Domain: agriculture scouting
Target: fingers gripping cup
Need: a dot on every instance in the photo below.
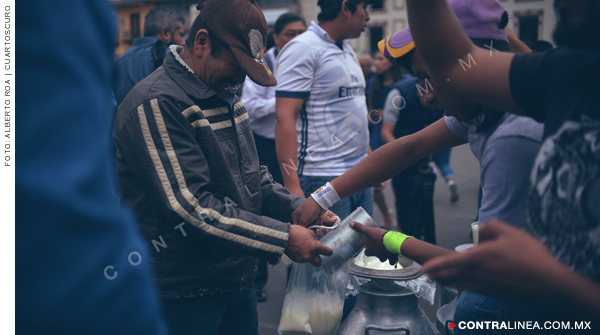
(345, 241)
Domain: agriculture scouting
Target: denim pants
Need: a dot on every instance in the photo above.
(345, 206)
(414, 189)
(262, 275)
(232, 313)
(442, 160)
(473, 306)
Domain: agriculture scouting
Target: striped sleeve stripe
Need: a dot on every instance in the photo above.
(164, 179)
(207, 112)
(288, 94)
(215, 111)
(191, 110)
(238, 105)
(200, 123)
(222, 124)
(242, 118)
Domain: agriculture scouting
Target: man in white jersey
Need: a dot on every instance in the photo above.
(321, 126)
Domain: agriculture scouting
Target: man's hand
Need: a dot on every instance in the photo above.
(375, 245)
(304, 247)
(327, 219)
(507, 262)
(307, 213)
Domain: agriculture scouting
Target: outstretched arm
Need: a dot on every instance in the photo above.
(383, 164)
(417, 250)
(392, 158)
(286, 141)
(454, 62)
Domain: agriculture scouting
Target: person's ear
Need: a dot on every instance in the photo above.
(201, 43)
(345, 11)
(165, 35)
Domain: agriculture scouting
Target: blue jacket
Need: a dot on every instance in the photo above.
(77, 253)
(134, 65)
(413, 117)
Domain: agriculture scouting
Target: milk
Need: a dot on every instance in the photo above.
(372, 262)
(312, 313)
(324, 322)
(294, 320)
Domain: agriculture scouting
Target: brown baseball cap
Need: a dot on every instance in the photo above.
(242, 25)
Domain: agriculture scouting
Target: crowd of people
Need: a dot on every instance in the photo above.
(223, 180)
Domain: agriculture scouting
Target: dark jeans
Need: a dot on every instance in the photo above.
(268, 156)
(473, 306)
(442, 160)
(262, 274)
(232, 313)
(414, 188)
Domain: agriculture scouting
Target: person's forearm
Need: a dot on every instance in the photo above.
(392, 158)
(287, 152)
(421, 251)
(435, 27)
(381, 165)
(387, 137)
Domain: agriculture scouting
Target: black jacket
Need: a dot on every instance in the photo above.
(187, 163)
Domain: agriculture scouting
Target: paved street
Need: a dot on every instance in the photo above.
(452, 228)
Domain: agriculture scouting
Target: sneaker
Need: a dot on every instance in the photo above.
(453, 191)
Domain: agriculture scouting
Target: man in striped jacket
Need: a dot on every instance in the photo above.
(187, 163)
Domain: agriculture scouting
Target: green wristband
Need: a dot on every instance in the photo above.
(392, 241)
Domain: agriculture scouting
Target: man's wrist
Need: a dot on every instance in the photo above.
(393, 240)
(326, 196)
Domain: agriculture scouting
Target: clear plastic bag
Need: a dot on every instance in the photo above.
(423, 287)
(314, 301)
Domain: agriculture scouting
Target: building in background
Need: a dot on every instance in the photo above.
(531, 20)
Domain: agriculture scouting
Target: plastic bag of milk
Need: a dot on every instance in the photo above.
(314, 301)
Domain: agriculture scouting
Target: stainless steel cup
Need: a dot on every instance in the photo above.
(345, 241)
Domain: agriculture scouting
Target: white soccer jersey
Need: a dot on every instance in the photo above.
(332, 126)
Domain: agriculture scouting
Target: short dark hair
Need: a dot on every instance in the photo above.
(217, 45)
(286, 19)
(500, 45)
(159, 18)
(331, 8)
